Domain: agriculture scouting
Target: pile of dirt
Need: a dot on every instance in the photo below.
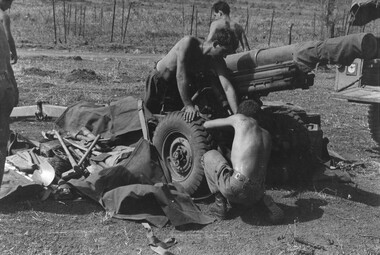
(37, 71)
(82, 75)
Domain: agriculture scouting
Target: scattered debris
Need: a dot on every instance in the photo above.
(77, 58)
(80, 75)
(158, 246)
(304, 241)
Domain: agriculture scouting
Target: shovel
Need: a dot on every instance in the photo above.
(45, 173)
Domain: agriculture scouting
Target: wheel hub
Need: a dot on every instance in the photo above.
(180, 156)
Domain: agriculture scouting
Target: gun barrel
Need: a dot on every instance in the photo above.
(261, 57)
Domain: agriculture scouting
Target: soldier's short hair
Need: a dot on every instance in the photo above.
(221, 6)
(250, 108)
(225, 37)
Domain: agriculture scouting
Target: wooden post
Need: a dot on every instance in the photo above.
(75, 20)
(271, 27)
(314, 24)
(247, 21)
(69, 20)
(211, 12)
(80, 21)
(101, 18)
(348, 24)
(126, 21)
(192, 20)
(64, 20)
(122, 20)
(113, 19)
(55, 24)
(84, 21)
(290, 33)
(183, 19)
(330, 18)
(196, 22)
(343, 20)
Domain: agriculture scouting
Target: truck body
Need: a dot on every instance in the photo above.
(359, 82)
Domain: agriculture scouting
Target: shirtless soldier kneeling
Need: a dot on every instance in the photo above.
(243, 182)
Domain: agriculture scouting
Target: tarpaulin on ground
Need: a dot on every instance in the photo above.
(15, 187)
(340, 50)
(364, 11)
(138, 189)
(110, 121)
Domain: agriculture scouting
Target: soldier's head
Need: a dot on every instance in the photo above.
(224, 42)
(5, 4)
(220, 8)
(250, 108)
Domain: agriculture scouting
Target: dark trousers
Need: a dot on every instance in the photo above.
(7, 101)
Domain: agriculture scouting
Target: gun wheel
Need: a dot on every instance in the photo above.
(181, 146)
(374, 122)
(291, 147)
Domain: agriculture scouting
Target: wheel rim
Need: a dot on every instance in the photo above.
(177, 156)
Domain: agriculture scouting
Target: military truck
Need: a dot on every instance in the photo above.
(297, 136)
(360, 81)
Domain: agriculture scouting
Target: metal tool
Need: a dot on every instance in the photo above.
(78, 169)
(45, 173)
(68, 154)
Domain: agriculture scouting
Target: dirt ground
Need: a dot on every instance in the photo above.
(330, 217)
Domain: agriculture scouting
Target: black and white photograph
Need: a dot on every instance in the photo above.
(189, 127)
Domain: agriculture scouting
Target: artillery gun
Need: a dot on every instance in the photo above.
(297, 136)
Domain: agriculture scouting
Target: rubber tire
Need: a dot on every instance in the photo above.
(374, 122)
(285, 121)
(286, 125)
(173, 128)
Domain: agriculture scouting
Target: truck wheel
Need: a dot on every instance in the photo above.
(374, 122)
(181, 146)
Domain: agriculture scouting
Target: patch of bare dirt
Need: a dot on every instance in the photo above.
(83, 75)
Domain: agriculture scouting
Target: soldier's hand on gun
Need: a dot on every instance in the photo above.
(190, 112)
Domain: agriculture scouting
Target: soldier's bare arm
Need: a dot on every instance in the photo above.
(7, 27)
(183, 52)
(220, 123)
(242, 37)
(221, 70)
(213, 28)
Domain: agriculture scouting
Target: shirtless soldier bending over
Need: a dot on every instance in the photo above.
(243, 181)
(174, 76)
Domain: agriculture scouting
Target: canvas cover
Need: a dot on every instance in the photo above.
(110, 121)
(306, 55)
(340, 50)
(364, 11)
(139, 189)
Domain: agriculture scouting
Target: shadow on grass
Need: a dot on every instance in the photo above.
(304, 211)
(349, 191)
(74, 207)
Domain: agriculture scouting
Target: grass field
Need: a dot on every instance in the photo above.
(154, 26)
